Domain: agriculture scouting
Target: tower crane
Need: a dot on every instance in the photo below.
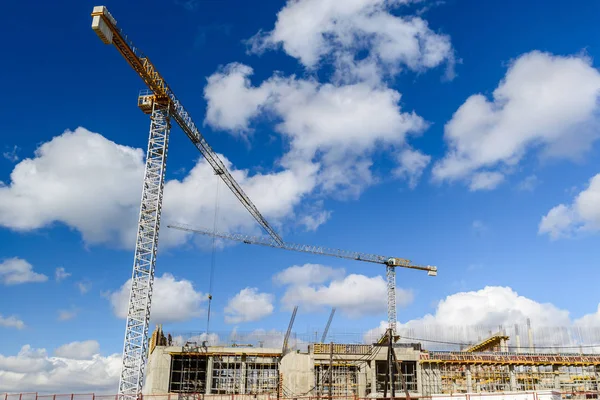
(390, 262)
(160, 102)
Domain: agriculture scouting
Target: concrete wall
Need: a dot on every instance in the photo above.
(158, 372)
(298, 372)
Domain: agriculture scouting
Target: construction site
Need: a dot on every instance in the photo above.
(381, 369)
(517, 362)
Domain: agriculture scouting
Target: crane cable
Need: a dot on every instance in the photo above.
(214, 255)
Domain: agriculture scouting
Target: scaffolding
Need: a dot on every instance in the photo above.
(407, 374)
(450, 378)
(262, 375)
(343, 383)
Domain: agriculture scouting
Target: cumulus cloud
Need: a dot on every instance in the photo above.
(83, 286)
(98, 195)
(32, 370)
(248, 305)
(315, 31)
(582, 215)
(66, 315)
(11, 322)
(78, 350)
(354, 295)
(466, 317)
(332, 128)
(172, 300)
(411, 164)
(15, 271)
(80, 179)
(308, 274)
(544, 102)
(61, 274)
(529, 183)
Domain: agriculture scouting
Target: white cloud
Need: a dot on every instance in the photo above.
(78, 350)
(334, 128)
(312, 221)
(308, 274)
(592, 319)
(32, 370)
(544, 102)
(80, 179)
(212, 339)
(485, 181)
(98, 195)
(83, 287)
(193, 198)
(61, 274)
(318, 30)
(11, 322)
(248, 305)
(12, 155)
(411, 166)
(583, 215)
(65, 315)
(470, 316)
(14, 271)
(529, 183)
(172, 300)
(354, 295)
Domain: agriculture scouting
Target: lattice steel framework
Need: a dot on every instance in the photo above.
(390, 273)
(138, 315)
(390, 262)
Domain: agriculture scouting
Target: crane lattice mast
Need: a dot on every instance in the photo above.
(390, 262)
(162, 105)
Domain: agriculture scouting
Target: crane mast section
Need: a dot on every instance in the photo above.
(391, 262)
(106, 28)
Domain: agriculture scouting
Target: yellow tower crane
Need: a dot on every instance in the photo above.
(162, 105)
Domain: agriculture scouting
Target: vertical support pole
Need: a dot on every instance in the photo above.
(390, 272)
(391, 363)
(330, 371)
(146, 246)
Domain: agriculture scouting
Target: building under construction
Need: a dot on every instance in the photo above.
(364, 370)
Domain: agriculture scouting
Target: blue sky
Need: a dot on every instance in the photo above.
(349, 124)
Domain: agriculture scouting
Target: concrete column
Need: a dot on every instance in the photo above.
(243, 376)
(437, 380)
(362, 382)
(373, 377)
(555, 370)
(209, 374)
(469, 379)
(419, 368)
(513, 378)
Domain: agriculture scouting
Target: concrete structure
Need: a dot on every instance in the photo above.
(354, 370)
